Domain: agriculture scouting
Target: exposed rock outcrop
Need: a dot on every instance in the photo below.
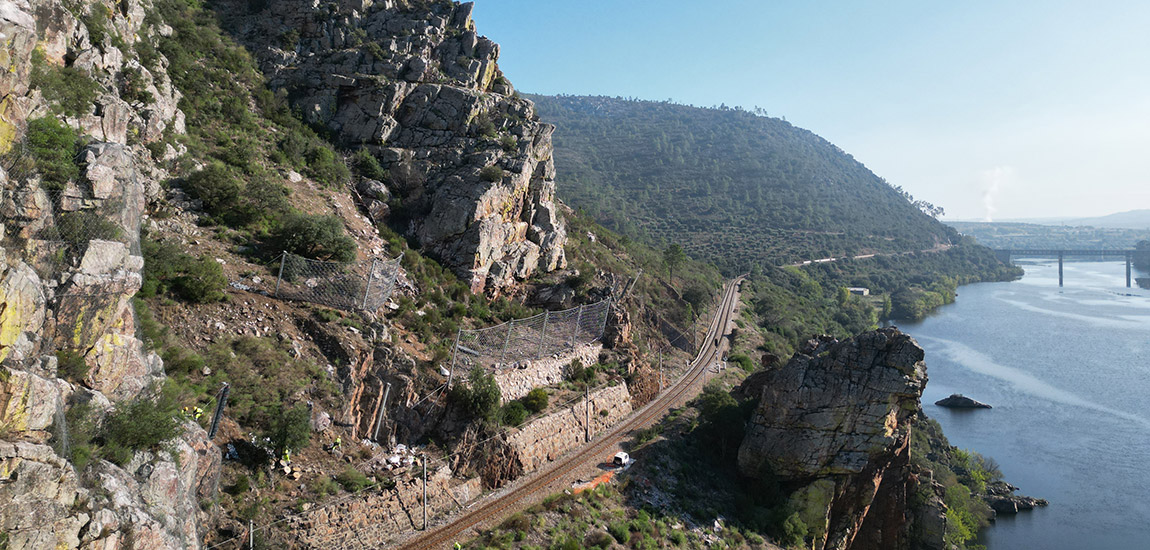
(469, 160)
(1001, 498)
(68, 287)
(959, 401)
(833, 426)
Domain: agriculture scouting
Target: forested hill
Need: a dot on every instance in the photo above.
(728, 185)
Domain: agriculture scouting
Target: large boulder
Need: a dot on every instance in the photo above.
(834, 426)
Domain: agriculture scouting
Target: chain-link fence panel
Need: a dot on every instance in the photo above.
(531, 338)
(365, 285)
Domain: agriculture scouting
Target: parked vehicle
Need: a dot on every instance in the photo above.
(622, 459)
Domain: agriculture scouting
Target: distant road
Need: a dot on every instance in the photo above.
(936, 248)
(558, 475)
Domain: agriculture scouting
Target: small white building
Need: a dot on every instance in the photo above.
(858, 290)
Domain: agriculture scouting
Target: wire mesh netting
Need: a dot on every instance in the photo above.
(365, 285)
(56, 229)
(542, 335)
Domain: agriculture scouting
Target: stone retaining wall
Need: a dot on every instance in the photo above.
(549, 437)
(515, 382)
(379, 518)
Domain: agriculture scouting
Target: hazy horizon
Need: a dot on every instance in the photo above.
(1021, 110)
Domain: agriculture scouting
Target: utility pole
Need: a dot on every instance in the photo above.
(660, 372)
(251, 535)
(587, 414)
(424, 457)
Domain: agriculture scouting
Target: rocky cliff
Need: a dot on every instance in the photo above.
(70, 265)
(470, 170)
(833, 427)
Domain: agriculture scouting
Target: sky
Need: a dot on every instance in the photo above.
(992, 110)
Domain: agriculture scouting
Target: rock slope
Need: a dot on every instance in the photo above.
(470, 164)
(73, 293)
(833, 426)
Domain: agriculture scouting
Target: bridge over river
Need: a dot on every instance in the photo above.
(1007, 253)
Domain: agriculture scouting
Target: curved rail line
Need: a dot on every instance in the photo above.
(443, 536)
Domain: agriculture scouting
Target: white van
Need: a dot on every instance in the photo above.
(621, 459)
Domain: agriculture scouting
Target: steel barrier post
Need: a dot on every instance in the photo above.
(575, 331)
(543, 333)
(280, 277)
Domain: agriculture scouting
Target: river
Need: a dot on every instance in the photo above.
(1068, 373)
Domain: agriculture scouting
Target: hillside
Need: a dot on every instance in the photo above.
(730, 186)
(173, 226)
(292, 213)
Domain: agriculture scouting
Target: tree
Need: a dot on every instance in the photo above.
(289, 430)
(317, 237)
(481, 397)
(673, 256)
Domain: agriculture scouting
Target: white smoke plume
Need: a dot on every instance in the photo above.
(992, 182)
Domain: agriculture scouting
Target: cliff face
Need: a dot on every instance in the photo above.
(69, 267)
(833, 426)
(470, 165)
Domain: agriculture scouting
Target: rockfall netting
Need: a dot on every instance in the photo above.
(543, 335)
(364, 285)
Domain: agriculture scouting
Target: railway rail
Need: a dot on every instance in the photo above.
(500, 505)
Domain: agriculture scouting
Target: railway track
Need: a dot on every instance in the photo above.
(502, 505)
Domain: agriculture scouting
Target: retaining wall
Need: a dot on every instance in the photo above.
(514, 382)
(549, 437)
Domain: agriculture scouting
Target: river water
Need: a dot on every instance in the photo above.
(1068, 373)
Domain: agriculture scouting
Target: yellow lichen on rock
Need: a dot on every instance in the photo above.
(14, 393)
(7, 129)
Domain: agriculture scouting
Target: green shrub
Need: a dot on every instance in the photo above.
(201, 282)
(317, 237)
(139, 425)
(290, 430)
(480, 396)
(352, 480)
(648, 433)
(484, 127)
(216, 186)
(325, 166)
(133, 86)
(70, 90)
(242, 485)
(77, 228)
(536, 400)
(168, 269)
(513, 414)
(509, 143)
(324, 486)
(71, 365)
(599, 539)
(97, 23)
(54, 147)
(743, 361)
(368, 166)
(181, 360)
(620, 531)
(491, 173)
